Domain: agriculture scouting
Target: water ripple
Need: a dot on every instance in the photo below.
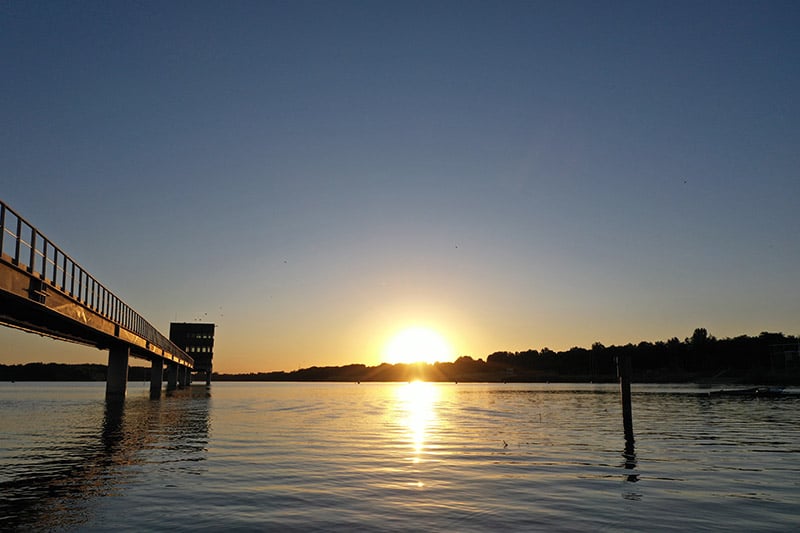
(392, 457)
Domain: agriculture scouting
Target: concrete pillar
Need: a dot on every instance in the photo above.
(208, 378)
(156, 376)
(172, 376)
(187, 376)
(117, 379)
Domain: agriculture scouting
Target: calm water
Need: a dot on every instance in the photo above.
(446, 457)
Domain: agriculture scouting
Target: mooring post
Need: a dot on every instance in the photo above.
(156, 377)
(624, 371)
(117, 377)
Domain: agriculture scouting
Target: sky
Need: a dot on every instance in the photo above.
(314, 177)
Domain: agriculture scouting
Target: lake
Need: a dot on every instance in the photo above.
(395, 457)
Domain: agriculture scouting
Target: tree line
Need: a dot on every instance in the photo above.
(701, 356)
(766, 358)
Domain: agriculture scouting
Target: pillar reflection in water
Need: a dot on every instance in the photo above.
(631, 477)
(55, 489)
(630, 461)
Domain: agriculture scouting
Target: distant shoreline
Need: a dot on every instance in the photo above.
(768, 359)
(400, 373)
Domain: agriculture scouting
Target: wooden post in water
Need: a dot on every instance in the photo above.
(624, 372)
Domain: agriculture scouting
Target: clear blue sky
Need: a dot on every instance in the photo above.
(314, 176)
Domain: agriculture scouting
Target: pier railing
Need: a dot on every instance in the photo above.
(25, 247)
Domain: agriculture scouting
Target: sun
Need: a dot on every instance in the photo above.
(417, 345)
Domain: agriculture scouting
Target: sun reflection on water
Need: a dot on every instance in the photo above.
(417, 401)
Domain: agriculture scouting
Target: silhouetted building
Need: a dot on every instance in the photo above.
(197, 340)
(784, 357)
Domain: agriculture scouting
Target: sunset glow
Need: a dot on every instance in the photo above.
(315, 187)
(417, 345)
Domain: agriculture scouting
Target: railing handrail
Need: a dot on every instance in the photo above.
(75, 281)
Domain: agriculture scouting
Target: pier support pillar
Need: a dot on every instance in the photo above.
(156, 377)
(172, 376)
(117, 378)
(181, 370)
(208, 378)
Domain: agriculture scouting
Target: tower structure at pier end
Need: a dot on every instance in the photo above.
(197, 340)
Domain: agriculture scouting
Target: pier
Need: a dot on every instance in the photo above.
(43, 290)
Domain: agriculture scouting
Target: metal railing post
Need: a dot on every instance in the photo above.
(72, 281)
(64, 273)
(2, 226)
(43, 274)
(19, 238)
(32, 257)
